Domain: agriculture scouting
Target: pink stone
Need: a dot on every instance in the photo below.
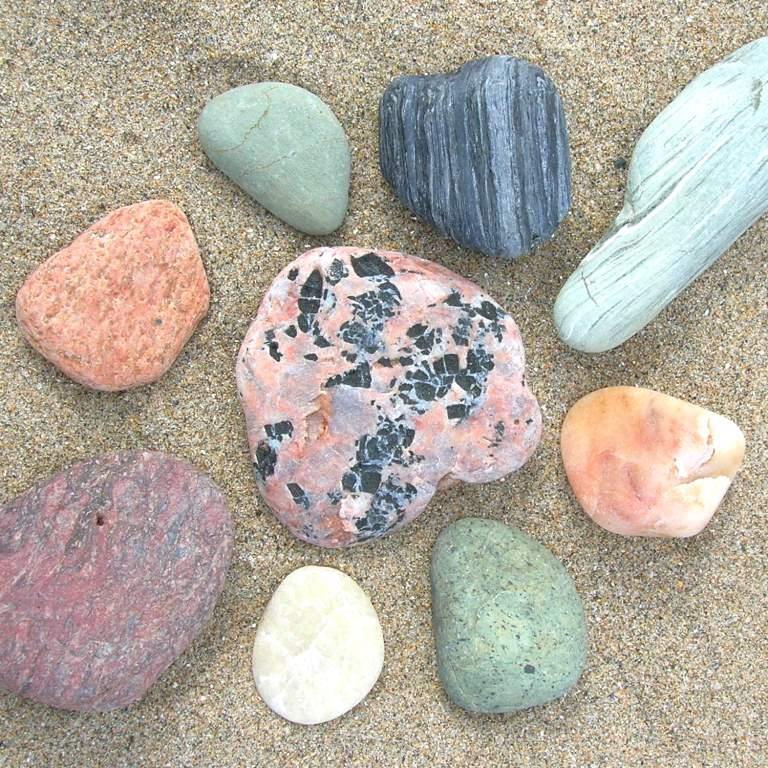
(114, 309)
(108, 571)
(371, 378)
(646, 464)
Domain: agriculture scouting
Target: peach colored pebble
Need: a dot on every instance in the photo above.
(642, 463)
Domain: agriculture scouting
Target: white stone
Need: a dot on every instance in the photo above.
(319, 648)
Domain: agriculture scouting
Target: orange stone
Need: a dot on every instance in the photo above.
(642, 463)
(114, 309)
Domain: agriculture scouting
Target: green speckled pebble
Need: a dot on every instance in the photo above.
(285, 148)
(509, 625)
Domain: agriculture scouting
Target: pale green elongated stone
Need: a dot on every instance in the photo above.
(697, 180)
(509, 626)
(283, 146)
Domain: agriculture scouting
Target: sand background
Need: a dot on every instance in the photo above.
(98, 103)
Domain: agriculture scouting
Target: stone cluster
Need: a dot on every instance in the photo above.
(371, 379)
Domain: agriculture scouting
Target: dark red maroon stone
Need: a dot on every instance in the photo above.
(108, 570)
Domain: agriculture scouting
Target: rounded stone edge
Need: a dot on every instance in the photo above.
(381, 644)
(453, 692)
(568, 310)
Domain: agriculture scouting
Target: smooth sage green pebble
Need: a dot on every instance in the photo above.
(509, 625)
(283, 146)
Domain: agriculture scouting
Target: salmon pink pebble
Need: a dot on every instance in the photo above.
(371, 378)
(114, 308)
(108, 571)
(646, 464)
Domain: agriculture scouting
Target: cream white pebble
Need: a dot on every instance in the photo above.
(319, 648)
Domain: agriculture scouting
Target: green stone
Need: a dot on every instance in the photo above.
(698, 179)
(509, 625)
(285, 148)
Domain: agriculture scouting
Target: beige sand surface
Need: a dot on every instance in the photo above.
(98, 102)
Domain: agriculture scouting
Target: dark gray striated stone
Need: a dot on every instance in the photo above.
(481, 154)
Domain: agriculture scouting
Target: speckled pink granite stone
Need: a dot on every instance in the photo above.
(108, 570)
(369, 379)
(114, 308)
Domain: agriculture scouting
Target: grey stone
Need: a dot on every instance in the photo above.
(481, 154)
(697, 180)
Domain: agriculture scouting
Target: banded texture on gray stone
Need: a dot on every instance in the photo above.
(481, 154)
(698, 179)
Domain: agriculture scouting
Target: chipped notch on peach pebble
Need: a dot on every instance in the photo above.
(642, 463)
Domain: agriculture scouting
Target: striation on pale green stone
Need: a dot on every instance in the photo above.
(283, 146)
(509, 625)
(697, 180)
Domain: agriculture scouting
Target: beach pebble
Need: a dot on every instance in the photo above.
(319, 648)
(509, 626)
(371, 378)
(108, 571)
(646, 464)
(697, 180)
(285, 148)
(481, 154)
(114, 308)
